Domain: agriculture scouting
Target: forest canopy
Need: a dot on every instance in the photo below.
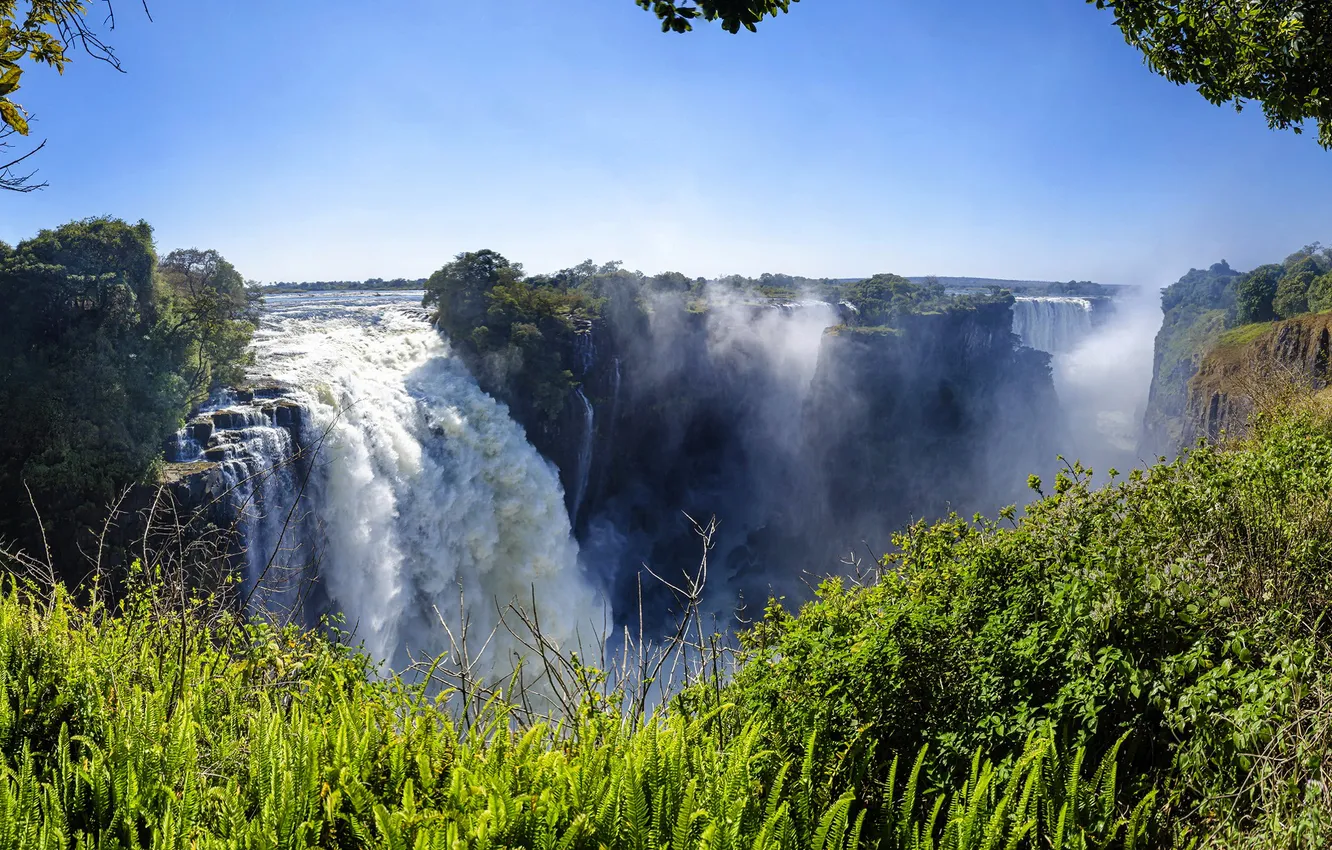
(105, 351)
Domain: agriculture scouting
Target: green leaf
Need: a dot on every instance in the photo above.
(9, 81)
(13, 117)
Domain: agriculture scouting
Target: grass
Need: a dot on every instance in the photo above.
(1243, 334)
(145, 728)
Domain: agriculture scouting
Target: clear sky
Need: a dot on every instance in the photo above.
(312, 141)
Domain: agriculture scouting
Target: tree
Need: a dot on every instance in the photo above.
(884, 298)
(459, 290)
(1275, 52)
(516, 334)
(733, 14)
(213, 315)
(41, 33)
(1292, 294)
(99, 363)
(80, 360)
(1254, 294)
(1320, 293)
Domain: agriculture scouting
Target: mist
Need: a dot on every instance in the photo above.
(810, 444)
(1103, 385)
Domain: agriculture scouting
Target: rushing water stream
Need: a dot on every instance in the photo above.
(1052, 323)
(422, 489)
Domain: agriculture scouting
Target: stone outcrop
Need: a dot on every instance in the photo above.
(1249, 362)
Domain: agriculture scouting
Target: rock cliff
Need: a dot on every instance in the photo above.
(1249, 362)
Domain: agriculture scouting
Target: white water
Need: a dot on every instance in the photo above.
(1052, 323)
(263, 485)
(424, 488)
(584, 456)
(1104, 380)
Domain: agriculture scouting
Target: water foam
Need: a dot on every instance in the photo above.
(424, 489)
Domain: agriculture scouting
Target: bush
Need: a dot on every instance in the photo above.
(1180, 607)
(156, 727)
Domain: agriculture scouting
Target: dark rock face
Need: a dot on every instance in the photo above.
(696, 417)
(201, 429)
(947, 415)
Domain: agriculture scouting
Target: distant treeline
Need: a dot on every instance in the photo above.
(375, 283)
(1077, 288)
(772, 285)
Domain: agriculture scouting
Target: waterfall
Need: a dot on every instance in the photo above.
(262, 484)
(424, 496)
(256, 459)
(615, 395)
(584, 457)
(1052, 323)
(585, 351)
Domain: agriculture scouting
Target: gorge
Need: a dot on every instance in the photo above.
(372, 476)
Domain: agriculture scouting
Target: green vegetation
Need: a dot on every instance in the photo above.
(884, 300)
(1139, 665)
(1180, 609)
(1079, 288)
(733, 14)
(1241, 336)
(516, 333)
(1275, 52)
(1296, 286)
(1201, 305)
(104, 353)
(373, 284)
(521, 334)
(144, 727)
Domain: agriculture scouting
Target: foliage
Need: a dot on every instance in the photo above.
(1181, 607)
(885, 300)
(103, 355)
(1255, 294)
(1125, 667)
(33, 35)
(733, 14)
(1320, 293)
(517, 333)
(1276, 52)
(212, 313)
(154, 726)
(1200, 305)
(37, 32)
(1082, 288)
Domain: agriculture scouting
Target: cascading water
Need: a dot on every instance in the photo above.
(262, 482)
(426, 499)
(256, 458)
(584, 457)
(1052, 323)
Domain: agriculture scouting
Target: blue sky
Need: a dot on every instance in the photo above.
(323, 141)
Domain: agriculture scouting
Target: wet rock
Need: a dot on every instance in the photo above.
(268, 389)
(217, 453)
(201, 429)
(288, 414)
